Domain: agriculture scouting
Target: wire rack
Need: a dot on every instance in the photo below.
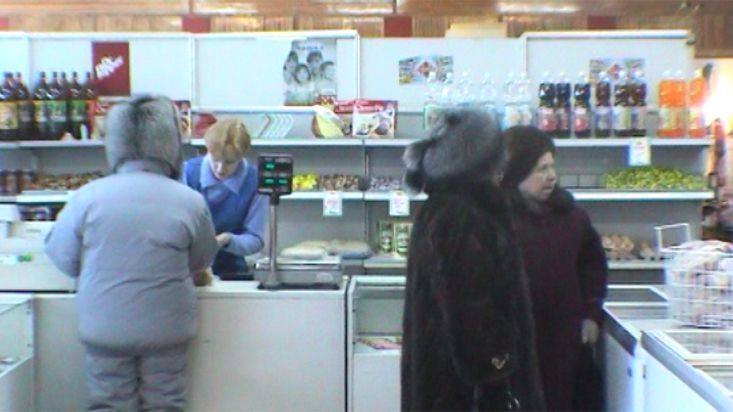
(699, 278)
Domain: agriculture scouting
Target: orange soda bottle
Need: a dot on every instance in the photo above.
(666, 106)
(697, 97)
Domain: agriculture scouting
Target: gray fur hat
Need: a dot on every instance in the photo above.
(144, 128)
(465, 145)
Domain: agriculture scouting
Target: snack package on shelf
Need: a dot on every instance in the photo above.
(327, 124)
(333, 120)
(184, 116)
(61, 182)
(385, 184)
(346, 183)
(618, 247)
(382, 342)
(99, 117)
(700, 283)
(305, 182)
(375, 118)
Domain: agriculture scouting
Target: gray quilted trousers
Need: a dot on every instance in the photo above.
(154, 381)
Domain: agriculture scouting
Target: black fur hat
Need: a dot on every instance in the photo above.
(464, 146)
(525, 145)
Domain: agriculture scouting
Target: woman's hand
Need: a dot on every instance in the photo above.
(589, 332)
(223, 239)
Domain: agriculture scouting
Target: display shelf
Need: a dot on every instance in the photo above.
(313, 142)
(255, 109)
(8, 199)
(384, 197)
(361, 349)
(388, 142)
(389, 262)
(321, 195)
(635, 265)
(354, 142)
(42, 144)
(597, 195)
(385, 262)
(43, 197)
(625, 142)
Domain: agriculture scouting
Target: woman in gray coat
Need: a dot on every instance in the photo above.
(133, 240)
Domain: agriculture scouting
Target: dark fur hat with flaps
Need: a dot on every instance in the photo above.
(525, 146)
(464, 146)
(144, 128)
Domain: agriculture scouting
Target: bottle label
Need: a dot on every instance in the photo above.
(621, 118)
(581, 122)
(697, 118)
(78, 110)
(603, 118)
(666, 118)
(58, 111)
(638, 118)
(563, 118)
(512, 116)
(41, 111)
(526, 117)
(8, 116)
(546, 120)
(25, 112)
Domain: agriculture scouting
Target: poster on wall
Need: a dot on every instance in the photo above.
(309, 73)
(612, 67)
(111, 63)
(416, 70)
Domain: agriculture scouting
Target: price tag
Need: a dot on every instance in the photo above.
(399, 203)
(333, 204)
(640, 153)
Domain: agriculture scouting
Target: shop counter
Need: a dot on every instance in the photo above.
(16, 353)
(255, 350)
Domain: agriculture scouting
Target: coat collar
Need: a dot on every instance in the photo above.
(233, 182)
(560, 201)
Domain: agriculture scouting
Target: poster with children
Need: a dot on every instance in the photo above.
(309, 73)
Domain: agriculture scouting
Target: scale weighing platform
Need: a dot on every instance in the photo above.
(275, 179)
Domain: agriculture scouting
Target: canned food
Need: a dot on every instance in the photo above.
(385, 231)
(402, 232)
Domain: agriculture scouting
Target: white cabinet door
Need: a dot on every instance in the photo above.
(620, 375)
(665, 392)
(377, 382)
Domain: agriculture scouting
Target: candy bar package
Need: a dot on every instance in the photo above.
(374, 118)
(184, 113)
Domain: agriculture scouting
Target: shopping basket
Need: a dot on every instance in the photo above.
(699, 278)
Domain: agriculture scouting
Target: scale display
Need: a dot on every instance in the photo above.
(275, 174)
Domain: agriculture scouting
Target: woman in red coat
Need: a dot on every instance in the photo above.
(564, 260)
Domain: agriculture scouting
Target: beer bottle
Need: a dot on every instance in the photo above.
(8, 110)
(42, 109)
(25, 109)
(59, 112)
(77, 106)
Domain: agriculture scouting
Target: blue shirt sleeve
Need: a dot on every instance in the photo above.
(253, 238)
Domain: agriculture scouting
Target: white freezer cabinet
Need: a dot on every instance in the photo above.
(16, 353)
(375, 305)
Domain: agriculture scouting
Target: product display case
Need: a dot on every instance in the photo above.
(374, 336)
(16, 353)
(688, 369)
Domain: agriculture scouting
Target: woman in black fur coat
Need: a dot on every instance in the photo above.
(468, 342)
